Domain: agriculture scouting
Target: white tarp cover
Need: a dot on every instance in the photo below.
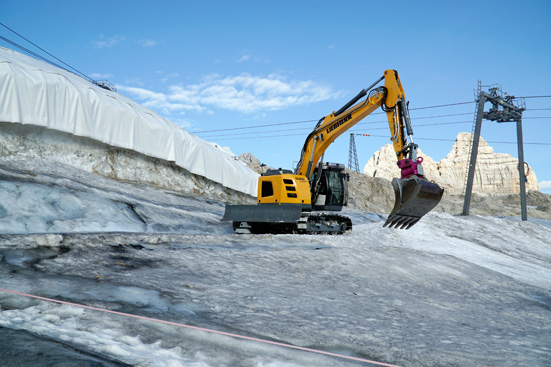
(36, 93)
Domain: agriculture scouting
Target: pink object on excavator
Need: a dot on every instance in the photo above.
(409, 167)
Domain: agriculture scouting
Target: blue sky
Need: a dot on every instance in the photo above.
(213, 65)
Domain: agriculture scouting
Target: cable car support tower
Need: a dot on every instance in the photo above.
(505, 108)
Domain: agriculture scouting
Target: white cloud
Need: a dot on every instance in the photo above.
(545, 186)
(244, 58)
(159, 101)
(108, 42)
(99, 76)
(243, 93)
(135, 81)
(148, 42)
(183, 123)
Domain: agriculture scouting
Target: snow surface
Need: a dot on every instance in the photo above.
(451, 291)
(36, 93)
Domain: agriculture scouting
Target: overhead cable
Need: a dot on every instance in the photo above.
(378, 136)
(376, 113)
(40, 57)
(359, 123)
(305, 121)
(252, 127)
(308, 129)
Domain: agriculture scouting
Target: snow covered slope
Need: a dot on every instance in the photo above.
(36, 93)
(452, 291)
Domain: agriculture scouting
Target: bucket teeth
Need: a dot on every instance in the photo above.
(412, 222)
(396, 221)
(401, 221)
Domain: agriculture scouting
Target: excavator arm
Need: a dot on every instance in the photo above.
(415, 195)
(390, 97)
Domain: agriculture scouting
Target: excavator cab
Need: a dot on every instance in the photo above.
(329, 187)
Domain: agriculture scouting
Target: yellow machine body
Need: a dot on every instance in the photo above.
(284, 189)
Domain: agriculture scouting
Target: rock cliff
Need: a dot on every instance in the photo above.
(495, 174)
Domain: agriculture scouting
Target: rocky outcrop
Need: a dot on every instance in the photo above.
(495, 174)
(253, 163)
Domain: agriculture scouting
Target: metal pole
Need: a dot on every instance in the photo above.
(522, 178)
(474, 153)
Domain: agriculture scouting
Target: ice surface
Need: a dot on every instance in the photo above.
(468, 291)
(451, 291)
(58, 199)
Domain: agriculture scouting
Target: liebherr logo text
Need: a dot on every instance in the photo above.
(339, 123)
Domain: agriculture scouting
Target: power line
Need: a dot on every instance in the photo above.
(307, 129)
(259, 132)
(383, 136)
(433, 117)
(104, 84)
(306, 121)
(261, 137)
(439, 116)
(31, 52)
(416, 118)
(386, 136)
(376, 113)
(435, 124)
(360, 123)
(253, 127)
(437, 139)
(442, 105)
(40, 48)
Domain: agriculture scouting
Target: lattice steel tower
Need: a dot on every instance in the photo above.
(353, 155)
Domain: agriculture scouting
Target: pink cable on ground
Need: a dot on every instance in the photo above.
(203, 329)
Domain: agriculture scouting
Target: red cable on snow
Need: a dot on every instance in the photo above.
(203, 329)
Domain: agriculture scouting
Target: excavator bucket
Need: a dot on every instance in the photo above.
(415, 197)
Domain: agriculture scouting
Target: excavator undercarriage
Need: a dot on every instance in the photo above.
(306, 223)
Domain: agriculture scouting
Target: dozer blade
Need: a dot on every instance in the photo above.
(415, 197)
(265, 213)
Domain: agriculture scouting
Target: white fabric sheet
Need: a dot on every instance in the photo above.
(36, 93)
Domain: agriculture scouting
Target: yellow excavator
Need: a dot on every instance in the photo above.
(303, 201)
